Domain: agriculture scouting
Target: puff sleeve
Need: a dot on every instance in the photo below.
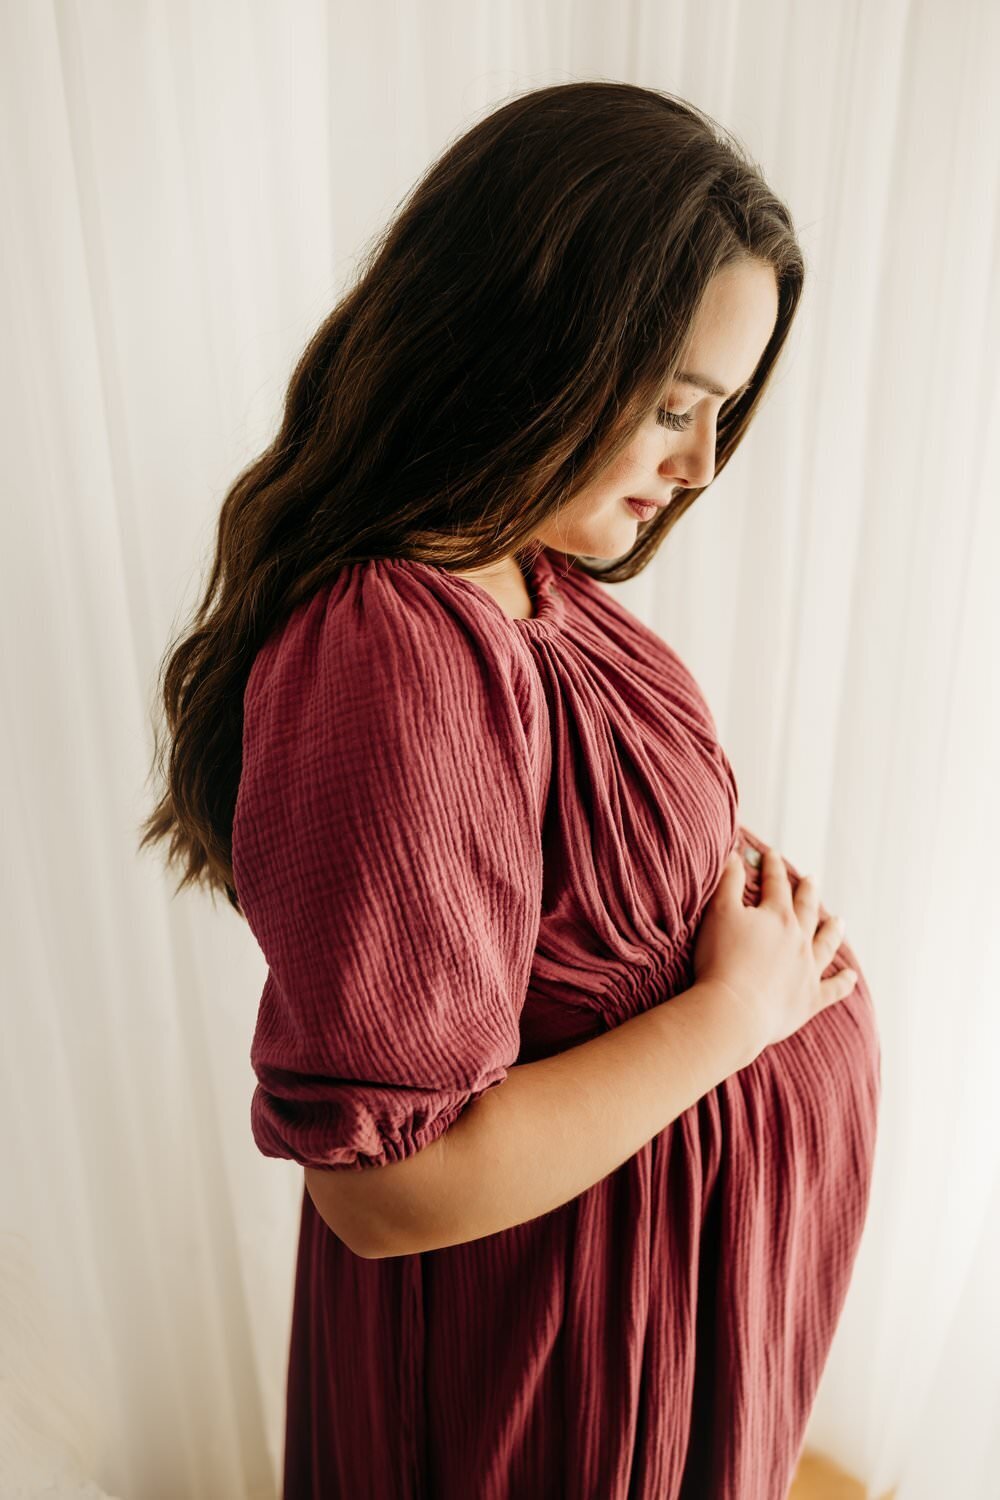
(387, 858)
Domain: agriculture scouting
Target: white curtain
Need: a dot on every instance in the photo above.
(185, 191)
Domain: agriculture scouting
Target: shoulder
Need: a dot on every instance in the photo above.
(377, 705)
(391, 643)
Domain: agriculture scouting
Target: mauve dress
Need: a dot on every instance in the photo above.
(462, 842)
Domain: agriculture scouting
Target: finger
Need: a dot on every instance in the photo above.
(774, 878)
(806, 897)
(829, 936)
(733, 872)
(838, 986)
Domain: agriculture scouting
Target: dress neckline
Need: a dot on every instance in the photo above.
(547, 599)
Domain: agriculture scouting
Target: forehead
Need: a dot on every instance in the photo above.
(731, 330)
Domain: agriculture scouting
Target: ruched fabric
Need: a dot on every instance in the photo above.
(465, 842)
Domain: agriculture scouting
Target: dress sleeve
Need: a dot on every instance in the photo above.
(387, 858)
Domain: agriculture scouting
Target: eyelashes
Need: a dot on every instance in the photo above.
(676, 421)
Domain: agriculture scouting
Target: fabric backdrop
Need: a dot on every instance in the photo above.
(185, 192)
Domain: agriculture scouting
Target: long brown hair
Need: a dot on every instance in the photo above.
(504, 339)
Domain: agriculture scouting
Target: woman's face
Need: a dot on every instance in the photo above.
(675, 447)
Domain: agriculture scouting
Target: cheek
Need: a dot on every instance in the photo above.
(638, 458)
(630, 473)
(643, 457)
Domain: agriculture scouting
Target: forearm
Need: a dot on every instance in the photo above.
(556, 1127)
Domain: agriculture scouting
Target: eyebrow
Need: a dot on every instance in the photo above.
(705, 383)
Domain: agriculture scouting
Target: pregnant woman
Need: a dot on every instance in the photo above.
(582, 1076)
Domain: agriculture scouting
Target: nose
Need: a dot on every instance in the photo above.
(694, 468)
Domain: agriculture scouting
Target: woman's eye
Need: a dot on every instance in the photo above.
(675, 420)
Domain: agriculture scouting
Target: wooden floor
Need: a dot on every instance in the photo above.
(816, 1478)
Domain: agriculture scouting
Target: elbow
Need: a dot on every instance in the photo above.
(331, 1196)
(384, 1211)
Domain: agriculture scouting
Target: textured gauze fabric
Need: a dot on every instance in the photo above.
(464, 842)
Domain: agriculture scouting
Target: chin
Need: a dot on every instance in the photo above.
(603, 538)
